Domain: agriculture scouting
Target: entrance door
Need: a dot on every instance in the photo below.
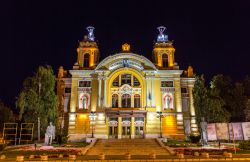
(139, 132)
(126, 132)
(113, 131)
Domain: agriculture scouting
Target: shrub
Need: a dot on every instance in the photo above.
(245, 145)
(194, 138)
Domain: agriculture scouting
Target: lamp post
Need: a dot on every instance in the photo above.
(160, 116)
(92, 117)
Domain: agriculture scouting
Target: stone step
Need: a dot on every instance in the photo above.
(122, 146)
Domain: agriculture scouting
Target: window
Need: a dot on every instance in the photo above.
(84, 83)
(167, 84)
(164, 60)
(126, 79)
(86, 60)
(114, 101)
(184, 90)
(137, 101)
(126, 101)
(116, 82)
(67, 90)
(136, 82)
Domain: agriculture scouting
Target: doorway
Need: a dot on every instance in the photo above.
(125, 131)
(113, 132)
(139, 132)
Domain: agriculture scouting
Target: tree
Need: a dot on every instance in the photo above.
(232, 95)
(246, 85)
(200, 98)
(38, 98)
(6, 114)
(208, 103)
(216, 113)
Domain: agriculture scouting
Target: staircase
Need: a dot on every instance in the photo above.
(122, 146)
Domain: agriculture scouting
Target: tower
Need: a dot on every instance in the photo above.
(163, 52)
(88, 52)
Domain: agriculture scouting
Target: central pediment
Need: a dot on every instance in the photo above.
(121, 60)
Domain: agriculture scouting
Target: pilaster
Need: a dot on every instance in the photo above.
(132, 127)
(119, 127)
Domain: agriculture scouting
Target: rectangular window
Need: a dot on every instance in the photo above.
(184, 90)
(84, 83)
(67, 90)
(167, 84)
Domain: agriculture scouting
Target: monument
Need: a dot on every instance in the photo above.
(50, 134)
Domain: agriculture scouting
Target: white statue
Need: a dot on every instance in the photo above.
(50, 134)
(204, 131)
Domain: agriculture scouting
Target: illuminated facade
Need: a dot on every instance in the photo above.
(125, 91)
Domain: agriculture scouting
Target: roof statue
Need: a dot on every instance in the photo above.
(161, 36)
(91, 36)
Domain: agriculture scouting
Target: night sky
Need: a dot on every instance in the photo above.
(212, 36)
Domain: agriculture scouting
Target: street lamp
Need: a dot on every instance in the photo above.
(92, 117)
(160, 116)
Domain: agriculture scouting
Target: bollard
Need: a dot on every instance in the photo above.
(205, 155)
(44, 157)
(102, 156)
(31, 157)
(196, 153)
(19, 158)
(60, 156)
(152, 156)
(72, 157)
(180, 155)
(128, 156)
(228, 155)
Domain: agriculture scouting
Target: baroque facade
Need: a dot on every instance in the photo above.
(126, 95)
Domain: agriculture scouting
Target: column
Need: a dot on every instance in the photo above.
(132, 129)
(104, 93)
(147, 92)
(194, 127)
(178, 106)
(99, 91)
(132, 100)
(152, 93)
(119, 127)
(119, 101)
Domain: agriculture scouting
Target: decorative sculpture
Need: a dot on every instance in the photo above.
(50, 134)
(161, 36)
(204, 131)
(91, 33)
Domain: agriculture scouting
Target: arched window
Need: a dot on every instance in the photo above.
(126, 79)
(137, 101)
(165, 60)
(86, 60)
(126, 101)
(116, 82)
(136, 81)
(114, 100)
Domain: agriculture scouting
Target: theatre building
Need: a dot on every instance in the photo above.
(126, 95)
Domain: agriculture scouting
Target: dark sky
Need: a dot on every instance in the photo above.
(212, 36)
